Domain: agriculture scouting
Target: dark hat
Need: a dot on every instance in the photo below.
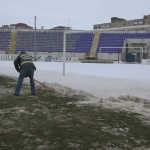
(22, 52)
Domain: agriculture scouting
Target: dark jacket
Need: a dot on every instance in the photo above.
(23, 61)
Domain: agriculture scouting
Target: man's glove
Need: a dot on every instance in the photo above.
(34, 68)
(19, 70)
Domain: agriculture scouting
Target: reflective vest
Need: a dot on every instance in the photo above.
(25, 58)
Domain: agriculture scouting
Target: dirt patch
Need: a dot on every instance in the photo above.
(55, 121)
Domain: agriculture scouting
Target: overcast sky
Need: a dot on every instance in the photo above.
(79, 14)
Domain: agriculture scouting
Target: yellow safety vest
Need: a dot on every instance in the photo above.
(25, 58)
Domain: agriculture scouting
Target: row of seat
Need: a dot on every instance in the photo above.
(75, 42)
(117, 40)
(4, 40)
(53, 41)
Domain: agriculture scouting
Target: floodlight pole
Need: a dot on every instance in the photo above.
(64, 52)
(35, 46)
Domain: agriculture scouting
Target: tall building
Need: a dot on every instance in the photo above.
(120, 22)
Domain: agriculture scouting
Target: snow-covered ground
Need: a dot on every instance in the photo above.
(101, 80)
(104, 81)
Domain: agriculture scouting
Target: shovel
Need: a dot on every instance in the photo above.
(44, 87)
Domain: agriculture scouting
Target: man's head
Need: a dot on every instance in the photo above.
(22, 52)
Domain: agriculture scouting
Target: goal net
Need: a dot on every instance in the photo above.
(124, 54)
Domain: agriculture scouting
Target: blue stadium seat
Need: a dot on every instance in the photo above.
(117, 40)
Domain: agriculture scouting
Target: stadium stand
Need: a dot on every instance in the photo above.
(79, 42)
(117, 40)
(76, 42)
(24, 41)
(5, 41)
(45, 41)
(85, 43)
(53, 41)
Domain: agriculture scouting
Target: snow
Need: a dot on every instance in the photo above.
(101, 80)
(112, 85)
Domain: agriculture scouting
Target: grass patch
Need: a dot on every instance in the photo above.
(6, 82)
(49, 121)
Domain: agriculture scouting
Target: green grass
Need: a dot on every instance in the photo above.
(50, 122)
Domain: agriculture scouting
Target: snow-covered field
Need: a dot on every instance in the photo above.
(128, 84)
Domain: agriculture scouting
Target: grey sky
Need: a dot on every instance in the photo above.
(79, 14)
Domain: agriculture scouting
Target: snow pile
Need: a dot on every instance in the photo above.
(115, 86)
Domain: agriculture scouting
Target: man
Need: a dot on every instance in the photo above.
(25, 66)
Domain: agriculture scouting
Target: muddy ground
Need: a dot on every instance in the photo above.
(52, 121)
